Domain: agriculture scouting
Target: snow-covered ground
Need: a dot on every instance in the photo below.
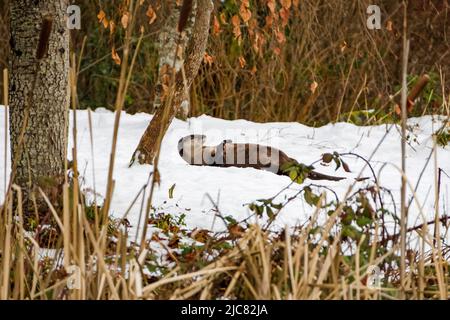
(233, 188)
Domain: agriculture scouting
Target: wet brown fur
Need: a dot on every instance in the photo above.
(242, 155)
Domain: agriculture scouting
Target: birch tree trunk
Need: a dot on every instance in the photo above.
(39, 161)
(186, 61)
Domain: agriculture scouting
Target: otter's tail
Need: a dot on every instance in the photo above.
(313, 175)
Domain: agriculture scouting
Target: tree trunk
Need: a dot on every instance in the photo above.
(148, 146)
(172, 46)
(39, 161)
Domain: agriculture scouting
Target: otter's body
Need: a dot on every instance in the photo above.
(243, 155)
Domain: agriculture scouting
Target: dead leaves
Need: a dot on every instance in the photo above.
(209, 60)
(313, 87)
(216, 26)
(242, 62)
(125, 19)
(101, 16)
(151, 14)
(236, 23)
(115, 56)
(244, 11)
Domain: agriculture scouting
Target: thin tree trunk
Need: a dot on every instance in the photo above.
(172, 47)
(39, 161)
(148, 146)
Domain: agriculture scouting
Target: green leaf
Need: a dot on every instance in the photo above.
(270, 213)
(363, 221)
(327, 157)
(172, 188)
(293, 175)
(230, 219)
(310, 197)
(278, 206)
(338, 163)
(288, 166)
(351, 232)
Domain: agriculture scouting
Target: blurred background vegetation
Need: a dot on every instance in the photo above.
(314, 63)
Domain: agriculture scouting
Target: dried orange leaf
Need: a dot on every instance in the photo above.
(116, 57)
(112, 27)
(313, 86)
(242, 61)
(101, 15)
(245, 13)
(216, 25)
(389, 25)
(208, 59)
(286, 4)
(281, 38)
(223, 18)
(151, 14)
(125, 20)
(271, 4)
(236, 22)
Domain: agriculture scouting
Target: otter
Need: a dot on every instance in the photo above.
(242, 155)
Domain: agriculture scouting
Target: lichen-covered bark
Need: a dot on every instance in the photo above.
(172, 48)
(41, 162)
(148, 145)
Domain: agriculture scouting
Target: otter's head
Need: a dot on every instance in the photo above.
(191, 145)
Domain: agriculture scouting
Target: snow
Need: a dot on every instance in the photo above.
(233, 188)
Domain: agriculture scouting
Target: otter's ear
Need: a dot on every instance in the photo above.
(197, 137)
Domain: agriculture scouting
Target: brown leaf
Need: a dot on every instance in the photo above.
(236, 230)
(102, 18)
(242, 62)
(223, 18)
(200, 235)
(286, 4)
(116, 57)
(327, 157)
(245, 13)
(284, 14)
(236, 22)
(216, 26)
(281, 38)
(125, 19)
(345, 166)
(389, 25)
(397, 110)
(269, 22)
(174, 242)
(112, 27)
(151, 14)
(101, 15)
(208, 59)
(271, 4)
(313, 86)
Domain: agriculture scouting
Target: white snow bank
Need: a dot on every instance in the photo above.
(233, 188)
